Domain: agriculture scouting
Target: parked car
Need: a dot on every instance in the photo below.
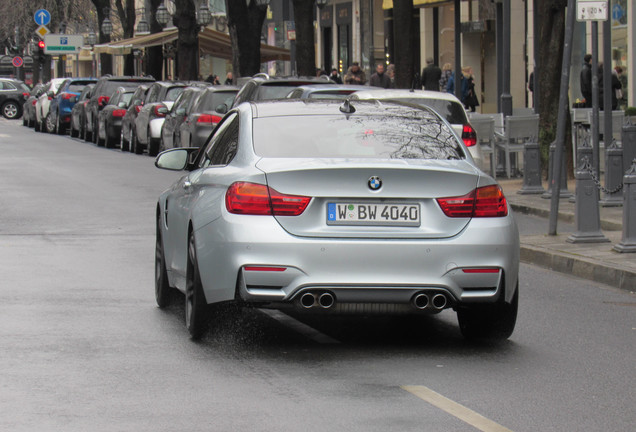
(206, 113)
(110, 117)
(337, 207)
(159, 99)
(128, 122)
(43, 104)
(104, 88)
(28, 108)
(78, 113)
(62, 104)
(263, 87)
(446, 104)
(170, 134)
(13, 93)
(326, 91)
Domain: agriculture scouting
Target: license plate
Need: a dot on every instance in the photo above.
(392, 214)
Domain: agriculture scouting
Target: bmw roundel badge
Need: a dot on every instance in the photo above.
(375, 183)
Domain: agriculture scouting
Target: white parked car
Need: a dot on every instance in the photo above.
(44, 103)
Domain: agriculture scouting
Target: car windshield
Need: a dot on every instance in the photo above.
(173, 93)
(450, 110)
(407, 135)
(210, 100)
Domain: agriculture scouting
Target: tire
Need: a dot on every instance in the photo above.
(139, 149)
(11, 110)
(108, 141)
(74, 133)
(493, 322)
(60, 128)
(153, 145)
(95, 136)
(48, 124)
(196, 307)
(25, 122)
(163, 291)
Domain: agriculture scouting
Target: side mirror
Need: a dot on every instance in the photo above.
(221, 109)
(50, 93)
(175, 159)
(180, 112)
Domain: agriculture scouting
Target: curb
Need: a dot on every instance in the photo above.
(567, 217)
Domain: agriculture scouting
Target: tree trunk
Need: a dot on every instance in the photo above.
(126, 13)
(188, 42)
(404, 41)
(245, 23)
(551, 40)
(106, 60)
(305, 48)
(154, 57)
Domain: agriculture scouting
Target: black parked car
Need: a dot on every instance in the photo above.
(128, 123)
(104, 88)
(110, 117)
(78, 113)
(13, 94)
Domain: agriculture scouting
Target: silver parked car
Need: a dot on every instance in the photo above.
(338, 207)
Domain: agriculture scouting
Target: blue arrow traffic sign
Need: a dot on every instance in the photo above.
(42, 17)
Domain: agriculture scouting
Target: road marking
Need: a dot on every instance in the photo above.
(301, 328)
(453, 408)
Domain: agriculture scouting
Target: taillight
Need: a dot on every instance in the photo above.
(258, 199)
(160, 111)
(34, 102)
(481, 270)
(138, 108)
(208, 118)
(68, 96)
(26, 95)
(487, 201)
(469, 136)
(119, 113)
(103, 100)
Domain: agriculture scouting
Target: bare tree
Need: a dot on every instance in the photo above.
(126, 14)
(245, 22)
(305, 47)
(187, 43)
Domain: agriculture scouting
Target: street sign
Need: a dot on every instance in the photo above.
(591, 10)
(17, 61)
(42, 31)
(61, 44)
(42, 17)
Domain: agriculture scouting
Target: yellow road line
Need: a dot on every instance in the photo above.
(453, 408)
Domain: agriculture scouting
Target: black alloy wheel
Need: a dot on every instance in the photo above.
(163, 291)
(196, 307)
(494, 322)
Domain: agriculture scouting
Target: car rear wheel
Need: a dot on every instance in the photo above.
(96, 139)
(50, 126)
(196, 307)
(489, 321)
(163, 291)
(59, 127)
(153, 145)
(108, 141)
(11, 110)
(74, 132)
(123, 142)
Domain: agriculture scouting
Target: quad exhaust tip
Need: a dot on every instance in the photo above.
(324, 300)
(434, 301)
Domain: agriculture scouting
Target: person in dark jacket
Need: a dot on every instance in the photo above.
(586, 80)
(431, 75)
(355, 75)
(616, 85)
(379, 78)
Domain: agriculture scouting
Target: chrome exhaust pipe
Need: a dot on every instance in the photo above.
(326, 300)
(439, 301)
(308, 300)
(420, 301)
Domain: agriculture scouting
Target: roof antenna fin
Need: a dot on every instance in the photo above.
(346, 107)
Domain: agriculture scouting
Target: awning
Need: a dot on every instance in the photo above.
(388, 4)
(211, 42)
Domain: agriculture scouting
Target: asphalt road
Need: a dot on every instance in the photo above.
(84, 348)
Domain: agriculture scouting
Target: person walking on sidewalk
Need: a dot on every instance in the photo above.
(431, 75)
(379, 78)
(586, 80)
(355, 75)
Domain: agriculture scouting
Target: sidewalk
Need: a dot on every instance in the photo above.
(593, 261)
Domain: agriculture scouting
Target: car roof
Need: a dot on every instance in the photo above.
(402, 93)
(291, 107)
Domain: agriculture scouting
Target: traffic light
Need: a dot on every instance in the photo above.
(41, 47)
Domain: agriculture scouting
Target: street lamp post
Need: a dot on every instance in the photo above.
(92, 40)
(107, 30)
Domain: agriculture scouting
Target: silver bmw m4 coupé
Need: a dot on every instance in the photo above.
(337, 207)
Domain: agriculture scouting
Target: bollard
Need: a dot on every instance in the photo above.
(628, 141)
(612, 192)
(531, 170)
(582, 152)
(587, 216)
(628, 241)
(565, 193)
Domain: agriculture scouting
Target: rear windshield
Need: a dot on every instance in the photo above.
(173, 93)
(210, 100)
(411, 135)
(111, 86)
(450, 110)
(330, 94)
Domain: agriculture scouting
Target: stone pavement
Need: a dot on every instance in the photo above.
(593, 261)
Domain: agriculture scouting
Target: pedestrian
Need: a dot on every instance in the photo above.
(446, 74)
(431, 75)
(335, 76)
(379, 78)
(616, 86)
(622, 92)
(229, 79)
(390, 71)
(355, 75)
(470, 97)
(531, 86)
(586, 80)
